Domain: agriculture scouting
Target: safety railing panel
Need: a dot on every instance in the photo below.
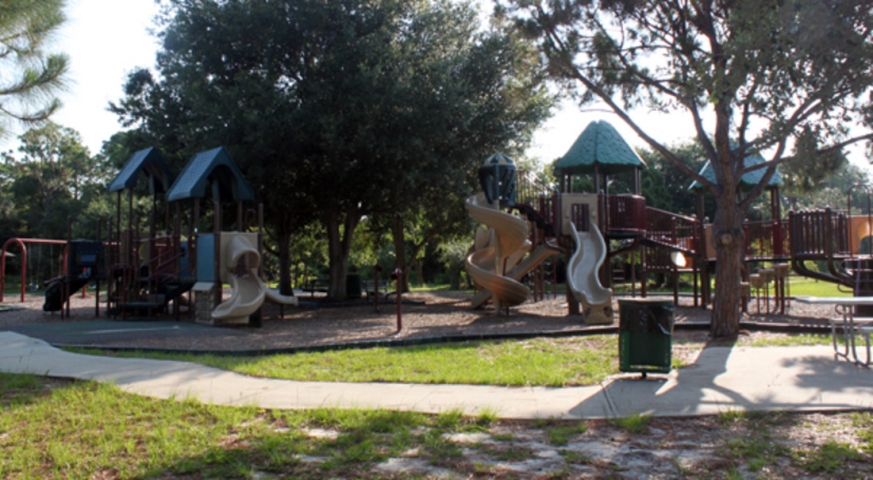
(529, 188)
(624, 214)
(766, 239)
(818, 233)
(673, 229)
(580, 215)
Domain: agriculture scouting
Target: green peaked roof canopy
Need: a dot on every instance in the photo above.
(599, 143)
(212, 167)
(748, 180)
(152, 164)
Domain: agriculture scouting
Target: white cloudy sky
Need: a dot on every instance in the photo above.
(106, 39)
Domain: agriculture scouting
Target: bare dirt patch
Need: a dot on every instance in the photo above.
(436, 314)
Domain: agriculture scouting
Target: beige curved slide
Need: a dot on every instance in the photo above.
(582, 276)
(273, 296)
(532, 261)
(247, 289)
(248, 292)
(487, 264)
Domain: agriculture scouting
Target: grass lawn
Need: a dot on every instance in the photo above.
(797, 287)
(552, 362)
(809, 287)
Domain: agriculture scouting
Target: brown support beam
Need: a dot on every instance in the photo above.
(216, 260)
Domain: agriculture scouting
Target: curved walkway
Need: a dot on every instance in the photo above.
(722, 379)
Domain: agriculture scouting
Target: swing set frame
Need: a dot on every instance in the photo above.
(22, 243)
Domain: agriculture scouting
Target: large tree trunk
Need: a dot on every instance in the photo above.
(339, 244)
(399, 237)
(285, 264)
(729, 242)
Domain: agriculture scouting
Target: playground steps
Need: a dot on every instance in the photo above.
(533, 215)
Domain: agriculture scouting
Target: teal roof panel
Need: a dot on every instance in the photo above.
(600, 143)
(212, 168)
(148, 161)
(748, 181)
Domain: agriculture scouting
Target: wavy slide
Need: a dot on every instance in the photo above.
(536, 257)
(508, 244)
(248, 292)
(582, 278)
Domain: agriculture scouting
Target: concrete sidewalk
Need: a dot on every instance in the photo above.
(722, 379)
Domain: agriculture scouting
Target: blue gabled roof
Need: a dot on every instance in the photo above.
(212, 167)
(148, 161)
(600, 143)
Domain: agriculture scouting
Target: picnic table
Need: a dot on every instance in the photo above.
(850, 324)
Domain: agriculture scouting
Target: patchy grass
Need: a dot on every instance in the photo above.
(750, 439)
(790, 340)
(59, 429)
(637, 423)
(552, 362)
(830, 458)
(53, 428)
(863, 422)
(560, 435)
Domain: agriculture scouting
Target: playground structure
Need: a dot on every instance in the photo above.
(587, 227)
(152, 272)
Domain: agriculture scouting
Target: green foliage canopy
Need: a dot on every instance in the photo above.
(336, 110)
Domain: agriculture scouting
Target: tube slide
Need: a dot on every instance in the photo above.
(247, 289)
(273, 296)
(487, 264)
(582, 276)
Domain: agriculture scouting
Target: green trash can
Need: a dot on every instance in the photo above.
(645, 338)
(353, 286)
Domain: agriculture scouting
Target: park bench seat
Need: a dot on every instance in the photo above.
(318, 285)
(369, 288)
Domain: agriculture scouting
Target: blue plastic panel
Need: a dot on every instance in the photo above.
(206, 257)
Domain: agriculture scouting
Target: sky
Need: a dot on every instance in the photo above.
(107, 39)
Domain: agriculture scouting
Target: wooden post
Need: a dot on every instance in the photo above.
(109, 264)
(239, 215)
(398, 276)
(216, 260)
(97, 276)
